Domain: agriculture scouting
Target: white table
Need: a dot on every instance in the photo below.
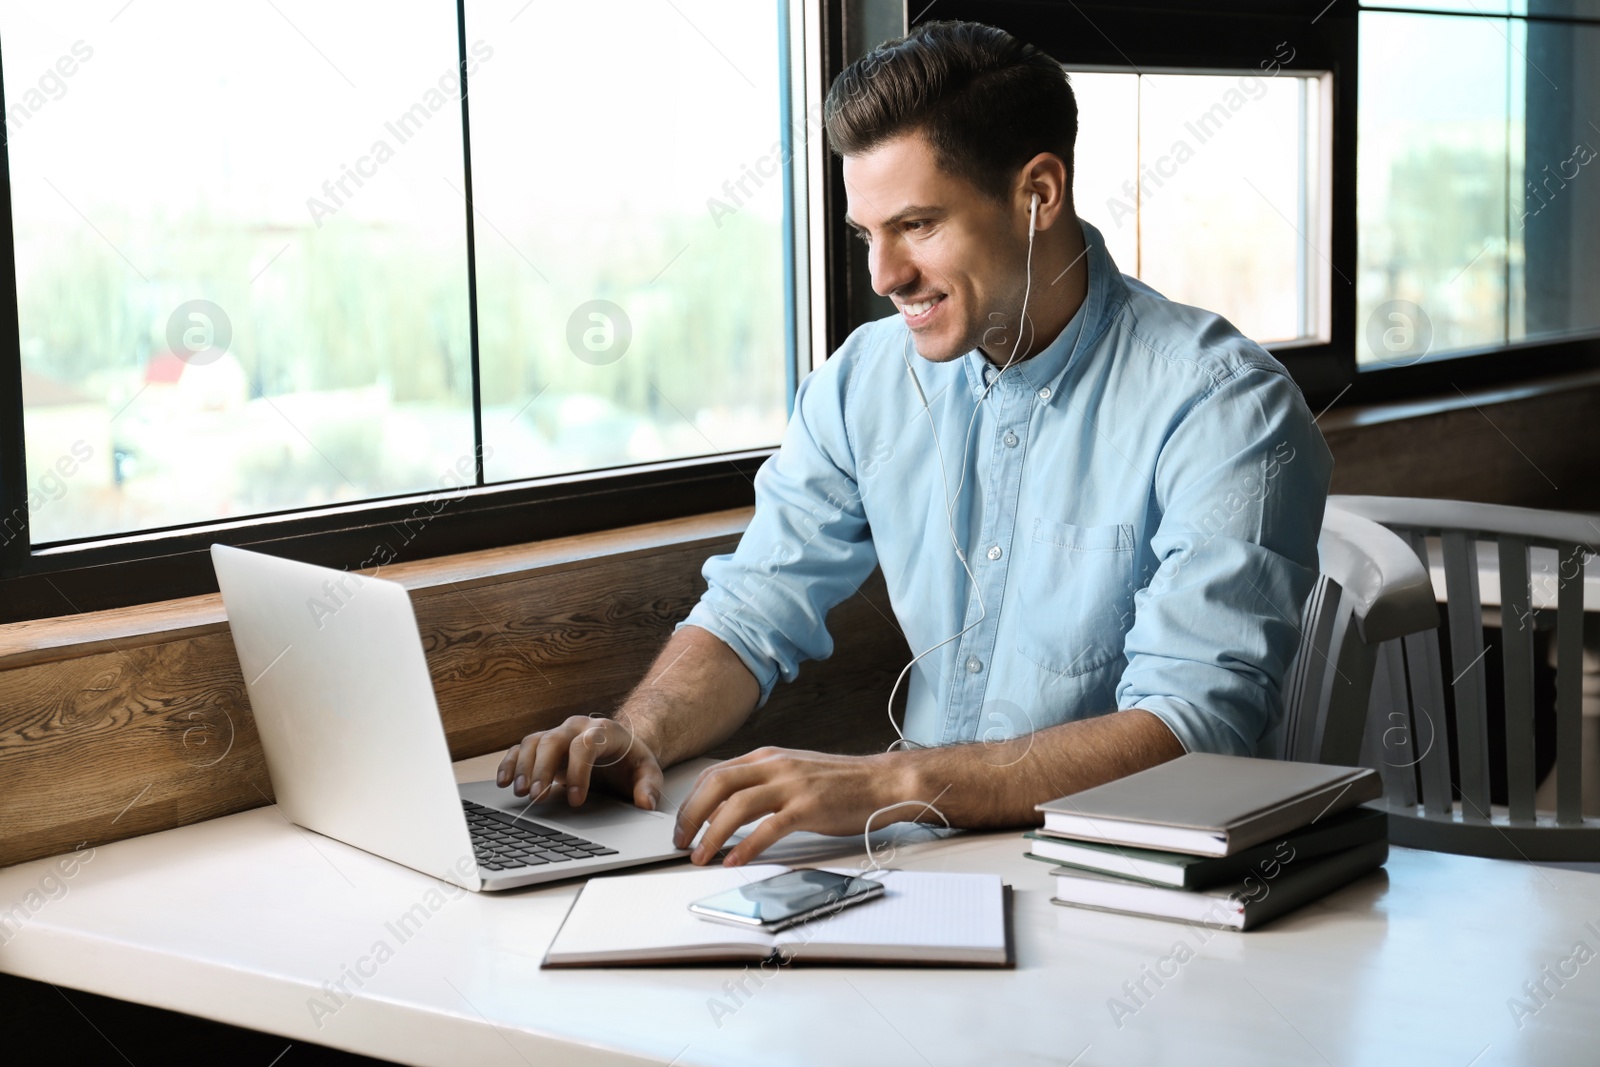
(1544, 573)
(242, 919)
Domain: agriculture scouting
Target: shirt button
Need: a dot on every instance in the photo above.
(974, 664)
(1044, 394)
(1010, 439)
(994, 553)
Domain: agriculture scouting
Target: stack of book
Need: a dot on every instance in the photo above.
(1224, 841)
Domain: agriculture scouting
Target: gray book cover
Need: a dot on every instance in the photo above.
(1235, 801)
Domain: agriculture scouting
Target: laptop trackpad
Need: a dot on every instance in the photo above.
(599, 811)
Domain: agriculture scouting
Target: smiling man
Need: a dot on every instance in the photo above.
(1096, 510)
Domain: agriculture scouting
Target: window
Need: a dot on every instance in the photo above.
(237, 292)
(268, 262)
(1213, 189)
(630, 241)
(1478, 206)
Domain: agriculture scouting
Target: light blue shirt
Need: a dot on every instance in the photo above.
(1140, 515)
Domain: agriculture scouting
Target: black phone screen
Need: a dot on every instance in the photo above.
(784, 896)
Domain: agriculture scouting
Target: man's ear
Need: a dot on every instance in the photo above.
(1045, 176)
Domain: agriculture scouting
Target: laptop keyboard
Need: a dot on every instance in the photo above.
(501, 841)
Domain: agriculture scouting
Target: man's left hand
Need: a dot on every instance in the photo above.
(796, 790)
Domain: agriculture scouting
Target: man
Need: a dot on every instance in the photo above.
(1097, 520)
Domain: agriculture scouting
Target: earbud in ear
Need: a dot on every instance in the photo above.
(1033, 214)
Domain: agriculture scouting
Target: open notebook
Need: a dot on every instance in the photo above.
(923, 917)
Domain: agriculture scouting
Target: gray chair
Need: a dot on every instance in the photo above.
(1371, 590)
(1408, 729)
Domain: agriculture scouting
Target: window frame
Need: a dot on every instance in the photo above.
(1226, 34)
(122, 570)
(825, 276)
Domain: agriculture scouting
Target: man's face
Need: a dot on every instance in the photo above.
(951, 258)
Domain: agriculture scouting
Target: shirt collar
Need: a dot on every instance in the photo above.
(1046, 369)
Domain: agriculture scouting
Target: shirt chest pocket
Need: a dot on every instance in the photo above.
(1074, 595)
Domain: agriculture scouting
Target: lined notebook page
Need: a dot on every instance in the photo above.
(938, 915)
(639, 914)
(928, 909)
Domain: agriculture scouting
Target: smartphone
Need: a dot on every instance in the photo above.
(786, 899)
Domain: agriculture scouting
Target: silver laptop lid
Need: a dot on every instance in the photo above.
(344, 705)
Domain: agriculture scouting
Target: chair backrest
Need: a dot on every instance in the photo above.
(1371, 589)
(1461, 539)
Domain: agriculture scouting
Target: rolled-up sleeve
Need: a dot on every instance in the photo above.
(806, 549)
(1240, 488)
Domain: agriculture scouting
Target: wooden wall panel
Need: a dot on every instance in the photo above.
(1532, 448)
(144, 736)
(120, 743)
(521, 655)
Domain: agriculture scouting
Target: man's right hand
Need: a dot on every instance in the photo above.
(581, 750)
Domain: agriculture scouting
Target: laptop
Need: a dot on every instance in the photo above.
(339, 685)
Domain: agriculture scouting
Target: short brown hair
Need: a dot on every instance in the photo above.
(986, 102)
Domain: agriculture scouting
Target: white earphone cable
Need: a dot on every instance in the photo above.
(951, 500)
